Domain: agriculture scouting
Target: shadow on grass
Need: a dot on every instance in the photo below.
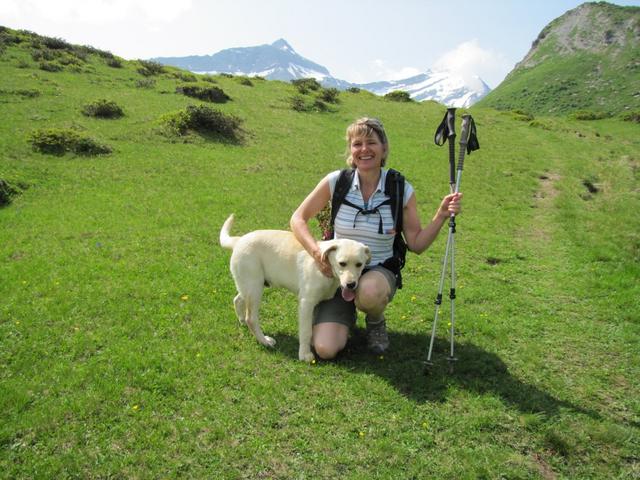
(476, 370)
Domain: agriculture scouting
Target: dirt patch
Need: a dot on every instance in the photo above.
(547, 190)
(543, 467)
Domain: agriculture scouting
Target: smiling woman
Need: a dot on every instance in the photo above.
(365, 214)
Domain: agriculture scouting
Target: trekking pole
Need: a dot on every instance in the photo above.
(445, 132)
(466, 145)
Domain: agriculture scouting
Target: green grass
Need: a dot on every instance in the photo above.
(120, 354)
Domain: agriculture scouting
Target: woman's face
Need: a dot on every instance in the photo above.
(367, 152)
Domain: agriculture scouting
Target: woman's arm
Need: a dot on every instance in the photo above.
(299, 223)
(418, 238)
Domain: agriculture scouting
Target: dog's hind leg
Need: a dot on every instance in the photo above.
(252, 304)
(241, 309)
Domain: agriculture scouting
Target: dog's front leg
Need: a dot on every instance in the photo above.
(305, 326)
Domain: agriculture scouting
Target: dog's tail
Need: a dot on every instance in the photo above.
(226, 240)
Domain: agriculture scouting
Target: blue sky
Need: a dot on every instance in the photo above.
(357, 40)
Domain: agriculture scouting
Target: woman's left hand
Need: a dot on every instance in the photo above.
(450, 205)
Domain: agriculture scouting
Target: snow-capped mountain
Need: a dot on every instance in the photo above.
(443, 87)
(279, 61)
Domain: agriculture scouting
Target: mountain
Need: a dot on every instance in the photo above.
(587, 59)
(443, 87)
(279, 61)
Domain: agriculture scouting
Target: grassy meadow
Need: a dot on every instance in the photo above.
(120, 353)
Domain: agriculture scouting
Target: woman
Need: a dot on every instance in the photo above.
(368, 149)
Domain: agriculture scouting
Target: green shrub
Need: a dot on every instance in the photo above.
(589, 115)
(146, 83)
(521, 115)
(632, 117)
(43, 54)
(206, 93)
(185, 76)
(56, 43)
(353, 90)
(299, 104)
(103, 109)
(208, 78)
(205, 121)
(246, 82)
(58, 141)
(304, 85)
(7, 191)
(150, 68)
(398, 96)
(51, 67)
(329, 95)
(113, 62)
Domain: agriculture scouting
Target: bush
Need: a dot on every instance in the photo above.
(304, 85)
(299, 104)
(204, 120)
(58, 141)
(206, 93)
(632, 117)
(7, 191)
(56, 43)
(589, 115)
(185, 76)
(103, 109)
(113, 62)
(302, 104)
(51, 66)
(521, 115)
(246, 82)
(329, 95)
(146, 83)
(353, 90)
(149, 68)
(398, 96)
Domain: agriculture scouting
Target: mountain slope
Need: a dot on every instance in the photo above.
(587, 59)
(279, 61)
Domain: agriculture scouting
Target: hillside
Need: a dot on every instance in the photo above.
(120, 353)
(587, 59)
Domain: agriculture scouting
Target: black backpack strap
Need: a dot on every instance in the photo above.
(343, 184)
(394, 189)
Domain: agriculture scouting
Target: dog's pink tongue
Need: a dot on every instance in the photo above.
(348, 294)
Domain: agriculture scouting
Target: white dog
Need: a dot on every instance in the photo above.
(275, 258)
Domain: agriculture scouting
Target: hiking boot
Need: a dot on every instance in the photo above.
(377, 338)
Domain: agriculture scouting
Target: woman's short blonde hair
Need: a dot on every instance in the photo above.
(366, 127)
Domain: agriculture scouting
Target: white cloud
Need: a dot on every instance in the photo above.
(469, 59)
(95, 12)
(381, 70)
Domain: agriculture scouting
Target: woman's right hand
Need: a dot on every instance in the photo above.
(323, 265)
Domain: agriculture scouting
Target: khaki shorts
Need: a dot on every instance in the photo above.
(338, 310)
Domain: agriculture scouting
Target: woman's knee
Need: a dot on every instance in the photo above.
(373, 294)
(327, 351)
(329, 339)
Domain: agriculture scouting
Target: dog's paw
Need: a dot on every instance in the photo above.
(306, 356)
(269, 341)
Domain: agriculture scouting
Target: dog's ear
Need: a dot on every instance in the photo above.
(367, 252)
(328, 248)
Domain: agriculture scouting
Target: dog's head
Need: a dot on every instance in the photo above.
(347, 259)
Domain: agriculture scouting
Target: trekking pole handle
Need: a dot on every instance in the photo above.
(465, 131)
(451, 126)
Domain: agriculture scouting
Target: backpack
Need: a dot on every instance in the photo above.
(394, 189)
